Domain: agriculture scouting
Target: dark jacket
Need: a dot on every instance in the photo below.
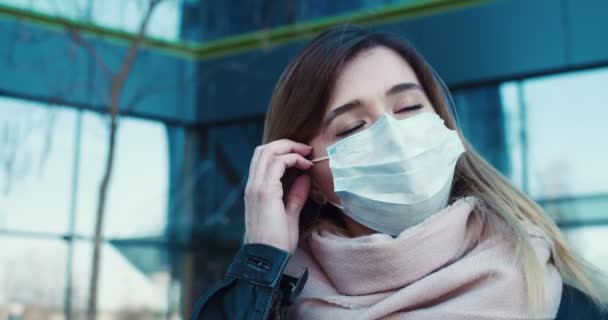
(255, 288)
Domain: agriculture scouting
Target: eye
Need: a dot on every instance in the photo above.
(351, 130)
(409, 108)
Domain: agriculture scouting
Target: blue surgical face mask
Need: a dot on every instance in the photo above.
(396, 173)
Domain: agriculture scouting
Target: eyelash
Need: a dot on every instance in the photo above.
(357, 127)
(409, 108)
(349, 131)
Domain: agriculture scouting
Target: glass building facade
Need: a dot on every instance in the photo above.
(174, 213)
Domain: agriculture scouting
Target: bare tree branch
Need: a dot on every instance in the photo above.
(48, 140)
(117, 86)
(77, 38)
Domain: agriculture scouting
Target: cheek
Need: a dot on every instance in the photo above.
(320, 172)
(321, 175)
(429, 108)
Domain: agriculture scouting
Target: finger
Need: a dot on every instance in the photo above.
(277, 148)
(295, 201)
(296, 198)
(288, 146)
(279, 164)
(281, 147)
(255, 158)
(252, 166)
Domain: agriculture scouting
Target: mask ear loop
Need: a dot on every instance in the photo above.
(319, 159)
(326, 200)
(447, 95)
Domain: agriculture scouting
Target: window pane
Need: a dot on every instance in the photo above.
(137, 198)
(566, 124)
(133, 281)
(556, 125)
(32, 278)
(585, 242)
(116, 14)
(36, 156)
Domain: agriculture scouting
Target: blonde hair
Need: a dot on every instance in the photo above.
(300, 100)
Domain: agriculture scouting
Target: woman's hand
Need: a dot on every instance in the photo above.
(267, 219)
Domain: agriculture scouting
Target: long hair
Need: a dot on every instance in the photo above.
(301, 98)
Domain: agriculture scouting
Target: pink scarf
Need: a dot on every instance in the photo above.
(451, 266)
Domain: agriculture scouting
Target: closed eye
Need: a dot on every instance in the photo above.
(351, 130)
(409, 108)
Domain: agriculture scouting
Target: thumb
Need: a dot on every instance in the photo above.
(296, 198)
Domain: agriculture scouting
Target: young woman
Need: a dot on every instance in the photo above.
(366, 201)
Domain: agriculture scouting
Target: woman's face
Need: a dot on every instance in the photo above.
(375, 81)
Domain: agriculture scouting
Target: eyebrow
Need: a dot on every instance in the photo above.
(355, 104)
(349, 106)
(401, 87)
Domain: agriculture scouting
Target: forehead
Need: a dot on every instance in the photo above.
(369, 74)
